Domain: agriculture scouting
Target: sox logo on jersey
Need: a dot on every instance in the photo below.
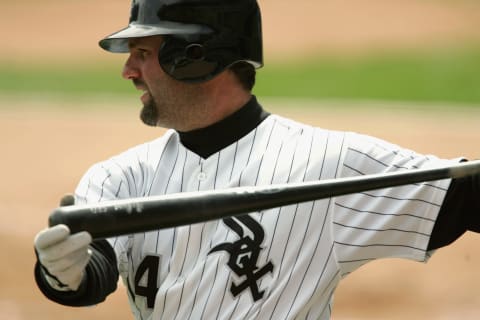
(244, 255)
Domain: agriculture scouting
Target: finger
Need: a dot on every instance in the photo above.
(50, 236)
(62, 249)
(67, 200)
(72, 276)
(79, 257)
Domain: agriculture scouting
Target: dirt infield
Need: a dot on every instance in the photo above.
(57, 30)
(46, 150)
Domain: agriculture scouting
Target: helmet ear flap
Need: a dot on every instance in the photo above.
(187, 60)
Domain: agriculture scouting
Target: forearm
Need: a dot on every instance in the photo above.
(101, 276)
(460, 212)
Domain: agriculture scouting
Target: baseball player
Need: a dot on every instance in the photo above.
(194, 63)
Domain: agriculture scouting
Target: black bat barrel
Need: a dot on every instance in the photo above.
(120, 217)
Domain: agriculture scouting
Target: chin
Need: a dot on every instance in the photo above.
(149, 115)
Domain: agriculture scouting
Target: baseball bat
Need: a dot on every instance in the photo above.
(128, 216)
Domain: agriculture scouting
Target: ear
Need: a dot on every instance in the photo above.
(188, 61)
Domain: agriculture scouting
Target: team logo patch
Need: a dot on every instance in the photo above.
(244, 255)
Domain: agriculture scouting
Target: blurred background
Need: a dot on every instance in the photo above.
(407, 71)
(414, 50)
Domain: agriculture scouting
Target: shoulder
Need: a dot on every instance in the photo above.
(144, 155)
(298, 128)
(133, 167)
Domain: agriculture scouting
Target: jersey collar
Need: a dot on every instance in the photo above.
(211, 139)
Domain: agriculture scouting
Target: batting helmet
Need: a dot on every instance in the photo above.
(201, 37)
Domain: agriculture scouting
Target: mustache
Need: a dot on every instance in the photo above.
(138, 83)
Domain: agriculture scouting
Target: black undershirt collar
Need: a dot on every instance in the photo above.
(209, 140)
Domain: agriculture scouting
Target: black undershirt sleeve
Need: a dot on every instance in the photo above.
(100, 280)
(459, 213)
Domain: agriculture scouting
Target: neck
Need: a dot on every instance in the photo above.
(225, 97)
(211, 139)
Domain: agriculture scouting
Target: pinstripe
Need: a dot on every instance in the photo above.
(417, 184)
(329, 288)
(210, 292)
(181, 189)
(129, 284)
(201, 164)
(377, 245)
(379, 230)
(174, 242)
(217, 265)
(181, 272)
(263, 154)
(125, 176)
(88, 189)
(118, 189)
(368, 194)
(321, 233)
(196, 290)
(403, 160)
(160, 161)
(234, 158)
(168, 179)
(382, 163)
(320, 277)
(209, 246)
(290, 233)
(280, 209)
(141, 170)
(134, 182)
(201, 241)
(102, 188)
(384, 214)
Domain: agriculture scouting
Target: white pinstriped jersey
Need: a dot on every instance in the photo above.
(282, 263)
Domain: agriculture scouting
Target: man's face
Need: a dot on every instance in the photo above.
(166, 102)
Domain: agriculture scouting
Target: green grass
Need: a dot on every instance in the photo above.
(63, 79)
(446, 76)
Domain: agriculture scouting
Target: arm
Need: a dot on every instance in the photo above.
(459, 213)
(74, 276)
(70, 269)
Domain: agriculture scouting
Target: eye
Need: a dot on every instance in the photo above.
(142, 53)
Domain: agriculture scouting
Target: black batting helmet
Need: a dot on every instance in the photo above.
(201, 37)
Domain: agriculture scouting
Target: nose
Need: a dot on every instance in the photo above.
(130, 71)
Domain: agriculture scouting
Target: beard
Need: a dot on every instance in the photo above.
(149, 113)
(170, 105)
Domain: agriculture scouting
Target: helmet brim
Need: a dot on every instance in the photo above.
(118, 41)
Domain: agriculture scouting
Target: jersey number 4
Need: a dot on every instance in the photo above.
(146, 279)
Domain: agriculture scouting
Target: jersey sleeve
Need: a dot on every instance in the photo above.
(385, 223)
(127, 175)
(101, 279)
(105, 181)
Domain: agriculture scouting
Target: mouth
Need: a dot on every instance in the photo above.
(145, 93)
(145, 96)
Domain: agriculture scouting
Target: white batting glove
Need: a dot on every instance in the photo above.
(63, 255)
